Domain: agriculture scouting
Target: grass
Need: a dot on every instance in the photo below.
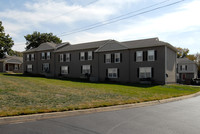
(21, 95)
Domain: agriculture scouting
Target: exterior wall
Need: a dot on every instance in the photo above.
(75, 64)
(123, 66)
(191, 68)
(33, 63)
(170, 66)
(158, 65)
(1, 67)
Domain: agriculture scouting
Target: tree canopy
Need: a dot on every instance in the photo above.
(182, 52)
(36, 38)
(6, 42)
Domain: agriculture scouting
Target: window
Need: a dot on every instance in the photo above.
(64, 69)
(108, 58)
(16, 67)
(151, 55)
(32, 57)
(112, 72)
(61, 57)
(145, 72)
(183, 67)
(67, 57)
(117, 57)
(29, 68)
(43, 56)
(48, 55)
(27, 57)
(82, 56)
(45, 67)
(86, 69)
(139, 56)
(90, 56)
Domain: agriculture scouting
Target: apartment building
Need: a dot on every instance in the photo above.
(139, 61)
(186, 70)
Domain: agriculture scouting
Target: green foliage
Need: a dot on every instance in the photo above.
(36, 38)
(6, 42)
(15, 53)
(182, 52)
(27, 95)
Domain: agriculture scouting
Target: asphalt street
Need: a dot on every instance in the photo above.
(180, 117)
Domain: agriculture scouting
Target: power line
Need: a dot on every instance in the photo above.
(109, 22)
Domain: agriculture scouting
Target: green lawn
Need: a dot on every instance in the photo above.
(26, 95)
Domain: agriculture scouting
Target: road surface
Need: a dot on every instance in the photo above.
(180, 117)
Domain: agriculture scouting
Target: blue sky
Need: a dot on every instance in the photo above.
(178, 24)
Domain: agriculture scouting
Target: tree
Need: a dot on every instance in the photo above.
(15, 53)
(6, 42)
(192, 57)
(182, 52)
(36, 38)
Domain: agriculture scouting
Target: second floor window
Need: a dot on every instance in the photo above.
(86, 69)
(90, 56)
(32, 57)
(29, 68)
(82, 56)
(117, 57)
(108, 58)
(183, 67)
(61, 58)
(139, 56)
(48, 55)
(27, 57)
(43, 56)
(67, 57)
(151, 55)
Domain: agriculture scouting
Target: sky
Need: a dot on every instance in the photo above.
(178, 24)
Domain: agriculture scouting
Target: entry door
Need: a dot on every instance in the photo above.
(183, 76)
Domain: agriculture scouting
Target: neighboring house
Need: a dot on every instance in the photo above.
(40, 60)
(139, 61)
(186, 70)
(11, 63)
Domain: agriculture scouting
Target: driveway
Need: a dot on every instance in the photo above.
(180, 117)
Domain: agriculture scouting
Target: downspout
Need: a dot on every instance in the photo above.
(165, 64)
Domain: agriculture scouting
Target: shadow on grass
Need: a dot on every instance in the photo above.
(84, 80)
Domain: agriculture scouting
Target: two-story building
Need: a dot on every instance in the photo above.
(139, 61)
(186, 70)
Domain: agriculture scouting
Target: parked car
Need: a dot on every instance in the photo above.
(196, 81)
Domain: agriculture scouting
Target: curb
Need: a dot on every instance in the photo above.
(26, 118)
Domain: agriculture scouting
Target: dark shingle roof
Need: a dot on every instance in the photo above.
(82, 46)
(12, 59)
(185, 61)
(47, 46)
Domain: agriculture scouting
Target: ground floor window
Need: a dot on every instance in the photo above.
(145, 72)
(29, 68)
(112, 73)
(46, 67)
(86, 69)
(16, 67)
(64, 70)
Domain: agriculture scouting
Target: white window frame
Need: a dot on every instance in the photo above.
(82, 56)
(32, 57)
(61, 58)
(108, 58)
(64, 69)
(29, 68)
(151, 55)
(139, 56)
(67, 57)
(16, 67)
(90, 55)
(117, 57)
(43, 55)
(86, 69)
(112, 72)
(46, 67)
(145, 72)
(48, 55)
(27, 57)
(183, 67)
